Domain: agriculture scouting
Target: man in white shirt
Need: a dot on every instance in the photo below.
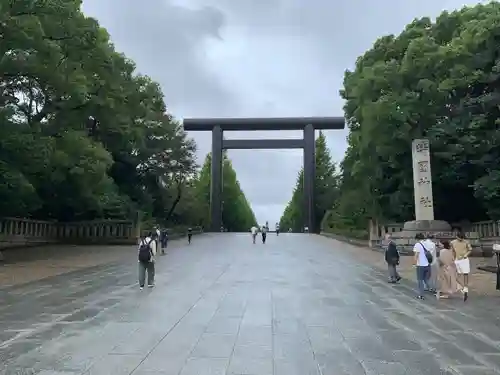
(146, 255)
(430, 245)
(421, 264)
(254, 231)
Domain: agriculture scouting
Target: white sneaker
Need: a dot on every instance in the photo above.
(141, 288)
(151, 286)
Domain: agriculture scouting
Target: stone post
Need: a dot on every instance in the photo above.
(422, 185)
(309, 177)
(373, 233)
(216, 180)
(422, 180)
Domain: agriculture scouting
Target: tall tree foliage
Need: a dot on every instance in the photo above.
(237, 215)
(439, 80)
(81, 135)
(325, 191)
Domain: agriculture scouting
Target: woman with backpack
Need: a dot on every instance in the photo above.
(146, 256)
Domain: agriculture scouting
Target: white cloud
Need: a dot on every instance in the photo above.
(255, 58)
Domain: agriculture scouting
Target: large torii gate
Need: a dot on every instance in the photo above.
(218, 125)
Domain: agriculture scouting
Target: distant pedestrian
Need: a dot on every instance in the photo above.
(146, 256)
(462, 250)
(163, 241)
(277, 229)
(264, 230)
(392, 259)
(254, 230)
(421, 260)
(190, 234)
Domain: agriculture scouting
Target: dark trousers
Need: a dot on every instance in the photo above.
(393, 272)
(264, 235)
(149, 268)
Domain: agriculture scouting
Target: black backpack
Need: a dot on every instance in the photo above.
(427, 253)
(145, 253)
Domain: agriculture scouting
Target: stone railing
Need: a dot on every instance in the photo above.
(16, 232)
(405, 245)
(105, 232)
(174, 233)
(482, 235)
(24, 232)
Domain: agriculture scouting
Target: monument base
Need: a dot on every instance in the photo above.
(417, 226)
(406, 238)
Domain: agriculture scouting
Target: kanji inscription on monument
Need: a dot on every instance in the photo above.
(422, 180)
(423, 166)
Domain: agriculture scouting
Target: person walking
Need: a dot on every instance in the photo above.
(462, 250)
(392, 260)
(254, 230)
(277, 229)
(421, 262)
(146, 257)
(448, 284)
(430, 245)
(264, 233)
(190, 235)
(163, 241)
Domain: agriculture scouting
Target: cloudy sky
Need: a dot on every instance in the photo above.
(255, 58)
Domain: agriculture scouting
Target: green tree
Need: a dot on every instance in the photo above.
(437, 80)
(237, 215)
(82, 136)
(325, 190)
(293, 215)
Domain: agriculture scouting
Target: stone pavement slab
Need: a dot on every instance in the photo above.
(301, 304)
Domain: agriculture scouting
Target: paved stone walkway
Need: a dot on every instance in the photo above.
(298, 305)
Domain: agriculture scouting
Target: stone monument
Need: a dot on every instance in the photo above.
(422, 188)
(424, 205)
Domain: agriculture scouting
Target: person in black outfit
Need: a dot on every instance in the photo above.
(392, 259)
(263, 232)
(190, 234)
(163, 240)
